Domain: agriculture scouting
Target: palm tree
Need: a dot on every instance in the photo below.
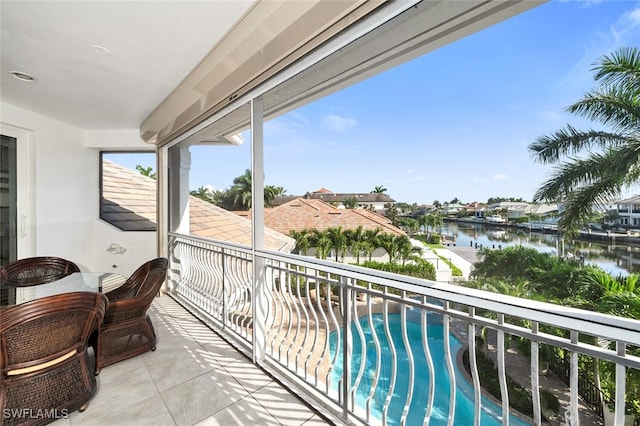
(322, 243)
(356, 241)
(390, 244)
(303, 240)
(146, 171)
(599, 163)
(406, 250)
(379, 190)
(437, 221)
(338, 240)
(372, 241)
(203, 193)
(240, 192)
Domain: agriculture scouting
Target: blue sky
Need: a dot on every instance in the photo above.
(455, 122)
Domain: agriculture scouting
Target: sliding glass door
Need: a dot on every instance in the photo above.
(8, 200)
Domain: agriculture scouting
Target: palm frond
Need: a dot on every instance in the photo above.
(596, 180)
(622, 67)
(615, 107)
(570, 141)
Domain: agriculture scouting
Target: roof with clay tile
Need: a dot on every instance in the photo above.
(129, 202)
(303, 213)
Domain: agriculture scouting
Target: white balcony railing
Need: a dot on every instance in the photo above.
(377, 348)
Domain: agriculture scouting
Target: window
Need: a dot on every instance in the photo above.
(128, 190)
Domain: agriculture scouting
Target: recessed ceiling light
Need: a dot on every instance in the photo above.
(100, 50)
(23, 76)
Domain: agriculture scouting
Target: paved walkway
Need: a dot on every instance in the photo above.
(462, 257)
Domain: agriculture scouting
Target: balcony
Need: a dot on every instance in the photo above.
(194, 377)
(373, 371)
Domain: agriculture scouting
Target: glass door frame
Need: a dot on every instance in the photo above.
(26, 189)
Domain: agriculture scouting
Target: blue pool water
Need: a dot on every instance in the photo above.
(464, 406)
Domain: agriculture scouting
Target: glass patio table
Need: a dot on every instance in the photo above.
(17, 293)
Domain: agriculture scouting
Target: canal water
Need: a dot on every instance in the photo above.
(617, 259)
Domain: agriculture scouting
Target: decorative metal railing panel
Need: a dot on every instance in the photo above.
(379, 348)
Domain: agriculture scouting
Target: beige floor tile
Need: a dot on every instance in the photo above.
(246, 412)
(203, 396)
(316, 421)
(279, 402)
(121, 390)
(224, 353)
(248, 375)
(171, 366)
(149, 412)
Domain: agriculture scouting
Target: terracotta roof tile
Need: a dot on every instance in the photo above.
(303, 213)
(129, 202)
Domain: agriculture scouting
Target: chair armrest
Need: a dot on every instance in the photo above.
(124, 309)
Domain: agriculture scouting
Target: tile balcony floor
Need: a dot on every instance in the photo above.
(193, 378)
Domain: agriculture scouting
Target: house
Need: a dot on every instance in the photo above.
(628, 210)
(451, 209)
(369, 200)
(308, 214)
(83, 78)
(303, 213)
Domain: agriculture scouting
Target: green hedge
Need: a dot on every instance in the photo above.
(423, 269)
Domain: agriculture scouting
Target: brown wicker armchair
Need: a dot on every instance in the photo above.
(35, 270)
(44, 363)
(127, 330)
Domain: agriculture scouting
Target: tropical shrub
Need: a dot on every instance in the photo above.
(420, 269)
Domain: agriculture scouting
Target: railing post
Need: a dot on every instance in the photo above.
(345, 295)
(223, 265)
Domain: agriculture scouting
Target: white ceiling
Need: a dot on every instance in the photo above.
(153, 45)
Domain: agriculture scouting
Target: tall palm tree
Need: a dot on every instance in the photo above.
(240, 192)
(435, 221)
(379, 189)
(372, 241)
(338, 240)
(599, 164)
(356, 241)
(390, 244)
(321, 242)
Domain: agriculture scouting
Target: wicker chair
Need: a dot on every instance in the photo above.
(127, 330)
(44, 364)
(35, 270)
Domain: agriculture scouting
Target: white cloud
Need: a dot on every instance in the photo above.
(338, 123)
(500, 176)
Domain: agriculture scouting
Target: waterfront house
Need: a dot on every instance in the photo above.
(628, 210)
(451, 209)
(81, 78)
(376, 202)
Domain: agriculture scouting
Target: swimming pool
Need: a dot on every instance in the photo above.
(464, 406)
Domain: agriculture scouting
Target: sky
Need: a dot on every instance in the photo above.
(454, 123)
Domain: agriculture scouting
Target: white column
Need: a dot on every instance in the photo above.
(178, 185)
(259, 294)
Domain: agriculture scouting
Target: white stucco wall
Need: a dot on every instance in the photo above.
(66, 194)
